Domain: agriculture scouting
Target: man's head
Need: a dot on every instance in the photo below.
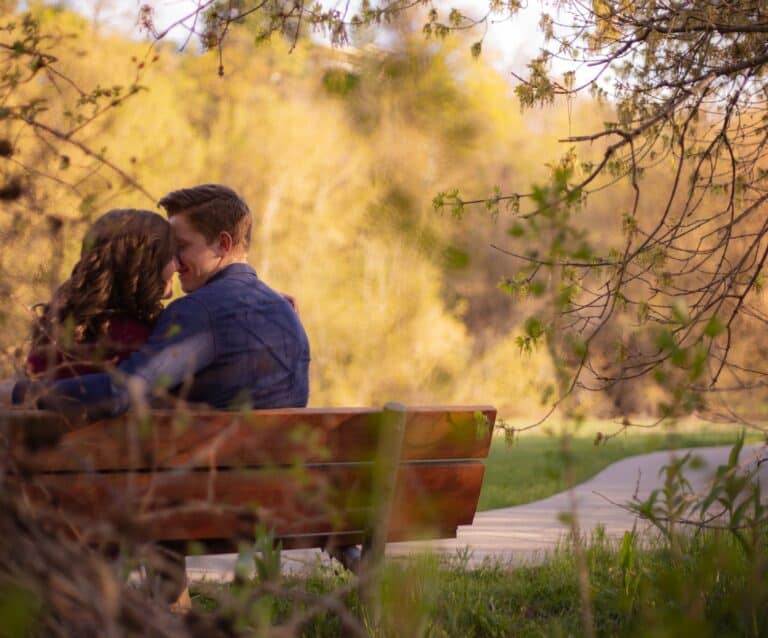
(212, 228)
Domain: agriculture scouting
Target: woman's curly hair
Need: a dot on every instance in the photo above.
(119, 274)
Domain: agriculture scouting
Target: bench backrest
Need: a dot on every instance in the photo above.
(309, 475)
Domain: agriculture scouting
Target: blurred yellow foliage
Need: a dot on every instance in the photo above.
(339, 155)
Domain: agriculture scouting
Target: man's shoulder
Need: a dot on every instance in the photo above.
(188, 302)
(189, 310)
(239, 287)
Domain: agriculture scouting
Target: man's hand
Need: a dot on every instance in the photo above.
(6, 392)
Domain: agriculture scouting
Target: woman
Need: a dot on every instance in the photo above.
(106, 309)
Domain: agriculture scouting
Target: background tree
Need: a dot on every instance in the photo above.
(676, 166)
(679, 298)
(55, 173)
(313, 139)
(688, 85)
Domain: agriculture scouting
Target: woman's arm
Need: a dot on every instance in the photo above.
(6, 391)
(181, 343)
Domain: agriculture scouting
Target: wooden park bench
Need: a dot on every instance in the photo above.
(314, 477)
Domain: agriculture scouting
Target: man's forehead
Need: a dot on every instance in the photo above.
(180, 225)
(185, 231)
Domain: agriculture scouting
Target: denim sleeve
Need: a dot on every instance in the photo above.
(180, 345)
(93, 396)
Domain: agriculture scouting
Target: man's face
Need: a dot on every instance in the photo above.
(198, 260)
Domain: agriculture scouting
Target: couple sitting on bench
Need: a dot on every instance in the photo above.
(105, 343)
(337, 478)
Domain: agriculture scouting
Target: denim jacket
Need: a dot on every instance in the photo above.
(232, 343)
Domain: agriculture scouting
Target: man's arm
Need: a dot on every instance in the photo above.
(180, 345)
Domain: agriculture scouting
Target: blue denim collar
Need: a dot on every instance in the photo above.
(232, 269)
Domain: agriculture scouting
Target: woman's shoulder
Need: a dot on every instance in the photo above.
(128, 331)
(124, 334)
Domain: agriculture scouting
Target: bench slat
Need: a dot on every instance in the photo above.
(220, 439)
(303, 508)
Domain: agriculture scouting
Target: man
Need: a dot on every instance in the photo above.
(231, 342)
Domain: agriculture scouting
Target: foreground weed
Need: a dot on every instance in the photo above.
(704, 573)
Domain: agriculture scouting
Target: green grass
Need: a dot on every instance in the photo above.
(534, 466)
(709, 587)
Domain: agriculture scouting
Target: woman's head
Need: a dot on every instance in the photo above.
(125, 267)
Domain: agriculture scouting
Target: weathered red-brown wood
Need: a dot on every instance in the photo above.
(430, 499)
(281, 437)
(306, 474)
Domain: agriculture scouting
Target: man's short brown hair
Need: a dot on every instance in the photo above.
(211, 209)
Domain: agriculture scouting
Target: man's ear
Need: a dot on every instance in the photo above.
(225, 243)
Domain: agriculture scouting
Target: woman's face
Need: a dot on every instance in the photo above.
(170, 268)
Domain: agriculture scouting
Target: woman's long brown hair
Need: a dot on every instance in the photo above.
(119, 273)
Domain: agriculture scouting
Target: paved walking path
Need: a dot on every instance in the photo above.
(521, 533)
